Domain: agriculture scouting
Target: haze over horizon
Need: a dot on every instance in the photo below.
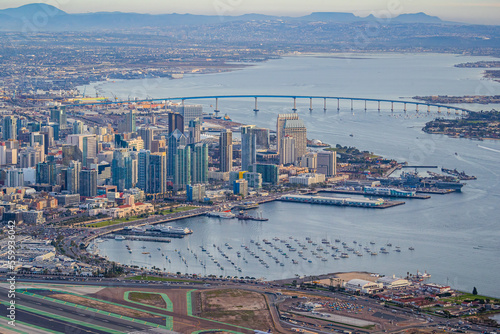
(484, 12)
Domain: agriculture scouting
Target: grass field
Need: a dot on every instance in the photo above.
(131, 219)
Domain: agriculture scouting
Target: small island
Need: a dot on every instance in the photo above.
(477, 125)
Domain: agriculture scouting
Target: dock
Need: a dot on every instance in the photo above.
(341, 201)
(360, 192)
(136, 238)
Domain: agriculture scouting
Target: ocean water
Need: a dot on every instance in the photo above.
(456, 236)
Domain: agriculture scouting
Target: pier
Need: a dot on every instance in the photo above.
(360, 192)
(138, 238)
(341, 201)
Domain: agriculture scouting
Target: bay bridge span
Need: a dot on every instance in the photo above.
(294, 98)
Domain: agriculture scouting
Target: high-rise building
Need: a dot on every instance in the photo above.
(194, 131)
(188, 111)
(158, 173)
(287, 151)
(37, 137)
(48, 131)
(147, 135)
(73, 177)
(89, 152)
(262, 138)
(270, 173)
(248, 146)
(280, 123)
(196, 192)
(199, 163)
(240, 187)
(58, 115)
(226, 150)
(78, 127)
(143, 169)
(31, 156)
(175, 140)
(14, 177)
(297, 129)
(121, 169)
(9, 127)
(130, 121)
(71, 152)
(310, 160)
(88, 183)
(46, 173)
(182, 171)
(158, 145)
(327, 163)
(175, 122)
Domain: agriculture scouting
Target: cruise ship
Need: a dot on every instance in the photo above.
(221, 214)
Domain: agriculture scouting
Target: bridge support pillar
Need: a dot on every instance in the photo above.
(338, 104)
(294, 104)
(416, 107)
(310, 104)
(365, 105)
(351, 105)
(439, 110)
(392, 106)
(256, 107)
(182, 103)
(324, 104)
(378, 105)
(216, 106)
(448, 111)
(428, 108)
(405, 106)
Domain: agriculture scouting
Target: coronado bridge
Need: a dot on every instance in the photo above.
(401, 103)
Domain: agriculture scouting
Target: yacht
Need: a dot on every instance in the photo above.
(221, 214)
(119, 237)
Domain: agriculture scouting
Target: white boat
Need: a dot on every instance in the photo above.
(221, 214)
(119, 237)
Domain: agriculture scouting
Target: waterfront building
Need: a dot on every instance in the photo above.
(199, 163)
(254, 179)
(248, 146)
(196, 192)
(280, 123)
(175, 122)
(327, 163)
(88, 183)
(359, 285)
(226, 150)
(121, 169)
(240, 187)
(9, 127)
(287, 150)
(307, 179)
(270, 173)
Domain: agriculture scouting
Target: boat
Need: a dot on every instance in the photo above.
(411, 248)
(221, 214)
(373, 253)
(98, 240)
(247, 206)
(119, 237)
(145, 252)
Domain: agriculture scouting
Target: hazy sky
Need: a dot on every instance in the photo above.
(471, 11)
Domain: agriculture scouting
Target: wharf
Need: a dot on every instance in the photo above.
(342, 201)
(150, 234)
(359, 192)
(435, 191)
(136, 238)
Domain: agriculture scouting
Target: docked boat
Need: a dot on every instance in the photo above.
(221, 214)
(119, 237)
(247, 206)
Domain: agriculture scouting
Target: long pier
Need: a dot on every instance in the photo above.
(404, 103)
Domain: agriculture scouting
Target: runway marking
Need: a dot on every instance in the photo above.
(169, 320)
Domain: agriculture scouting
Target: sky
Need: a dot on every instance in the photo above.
(469, 11)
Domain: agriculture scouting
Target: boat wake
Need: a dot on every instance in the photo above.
(488, 148)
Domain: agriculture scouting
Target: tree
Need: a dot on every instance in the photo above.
(474, 291)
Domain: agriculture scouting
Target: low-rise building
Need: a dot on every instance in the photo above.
(359, 285)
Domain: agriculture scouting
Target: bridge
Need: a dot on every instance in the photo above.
(294, 98)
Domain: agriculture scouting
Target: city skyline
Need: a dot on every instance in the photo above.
(484, 12)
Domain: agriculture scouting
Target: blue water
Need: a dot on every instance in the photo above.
(456, 237)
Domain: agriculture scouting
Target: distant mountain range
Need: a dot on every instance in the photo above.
(49, 18)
